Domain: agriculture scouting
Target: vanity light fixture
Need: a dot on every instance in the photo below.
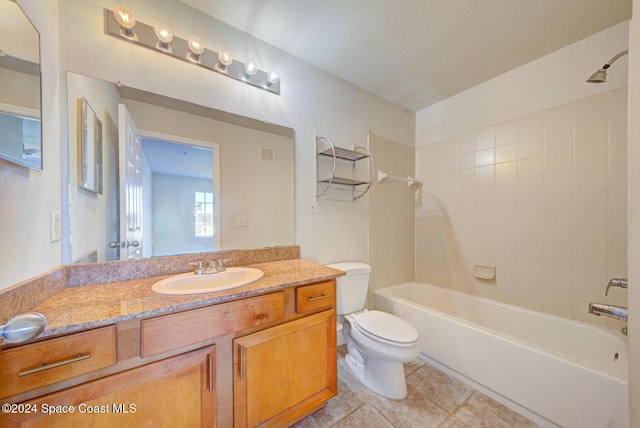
(119, 23)
(196, 47)
(127, 20)
(165, 35)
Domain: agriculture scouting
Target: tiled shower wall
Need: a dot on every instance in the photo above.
(543, 198)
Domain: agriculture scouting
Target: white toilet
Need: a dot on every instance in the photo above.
(378, 343)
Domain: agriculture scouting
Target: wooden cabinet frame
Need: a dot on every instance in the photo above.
(136, 397)
(283, 373)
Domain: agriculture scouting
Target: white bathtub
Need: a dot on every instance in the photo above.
(553, 370)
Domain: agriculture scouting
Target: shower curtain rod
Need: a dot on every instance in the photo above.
(409, 180)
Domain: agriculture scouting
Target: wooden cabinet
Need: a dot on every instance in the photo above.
(275, 353)
(315, 296)
(283, 373)
(44, 363)
(169, 332)
(175, 392)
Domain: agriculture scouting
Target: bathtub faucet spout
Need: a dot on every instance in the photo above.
(613, 311)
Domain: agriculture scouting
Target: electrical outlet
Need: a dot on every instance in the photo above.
(55, 226)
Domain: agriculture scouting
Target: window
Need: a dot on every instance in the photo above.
(204, 214)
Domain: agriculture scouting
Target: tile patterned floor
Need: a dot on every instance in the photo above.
(434, 399)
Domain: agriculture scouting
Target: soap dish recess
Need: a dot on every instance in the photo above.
(484, 271)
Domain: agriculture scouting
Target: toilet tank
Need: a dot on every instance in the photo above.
(351, 288)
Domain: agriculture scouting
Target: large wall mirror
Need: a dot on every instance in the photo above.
(20, 124)
(178, 178)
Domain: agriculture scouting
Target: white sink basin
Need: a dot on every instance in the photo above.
(189, 283)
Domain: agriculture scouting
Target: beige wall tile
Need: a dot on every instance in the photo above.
(542, 197)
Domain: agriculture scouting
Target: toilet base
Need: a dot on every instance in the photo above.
(381, 376)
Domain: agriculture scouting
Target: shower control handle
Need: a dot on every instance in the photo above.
(616, 282)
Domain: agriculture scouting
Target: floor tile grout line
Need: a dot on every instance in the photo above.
(464, 403)
(449, 412)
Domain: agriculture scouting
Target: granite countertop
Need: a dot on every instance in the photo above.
(80, 308)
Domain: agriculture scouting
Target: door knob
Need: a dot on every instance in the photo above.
(124, 244)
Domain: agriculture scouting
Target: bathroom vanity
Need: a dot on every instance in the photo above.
(258, 355)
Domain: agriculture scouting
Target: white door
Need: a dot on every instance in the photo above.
(130, 187)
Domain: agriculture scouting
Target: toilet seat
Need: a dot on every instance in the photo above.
(386, 328)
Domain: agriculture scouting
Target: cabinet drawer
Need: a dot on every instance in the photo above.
(175, 331)
(32, 366)
(315, 296)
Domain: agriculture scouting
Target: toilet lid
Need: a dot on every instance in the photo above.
(386, 326)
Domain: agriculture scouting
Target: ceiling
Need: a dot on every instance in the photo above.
(417, 52)
(18, 37)
(183, 160)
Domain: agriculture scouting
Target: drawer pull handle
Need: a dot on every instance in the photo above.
(324, 296)
(42, 366)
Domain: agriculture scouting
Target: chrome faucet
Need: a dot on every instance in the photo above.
(613, 311)
(208, 267)
(616, 282)
(199, 267)
(220, 267)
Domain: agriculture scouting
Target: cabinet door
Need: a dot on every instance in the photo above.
(285, 372)
(176, 392)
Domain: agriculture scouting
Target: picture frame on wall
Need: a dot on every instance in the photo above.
(89, 148)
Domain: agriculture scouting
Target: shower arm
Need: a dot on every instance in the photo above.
(612, 60)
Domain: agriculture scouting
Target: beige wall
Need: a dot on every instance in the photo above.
(392, 213)
(27, 196)
(541, 197)
(19, 89)
(311, 102)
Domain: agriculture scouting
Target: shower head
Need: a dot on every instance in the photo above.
(600, 76)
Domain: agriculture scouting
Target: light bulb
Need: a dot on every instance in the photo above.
(250, 69)
(224, 59)
(196, 47)
(164, 35)
(272, 78)
(127, 20)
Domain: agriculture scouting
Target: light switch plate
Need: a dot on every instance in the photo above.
(55, 226)
(241, 221)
